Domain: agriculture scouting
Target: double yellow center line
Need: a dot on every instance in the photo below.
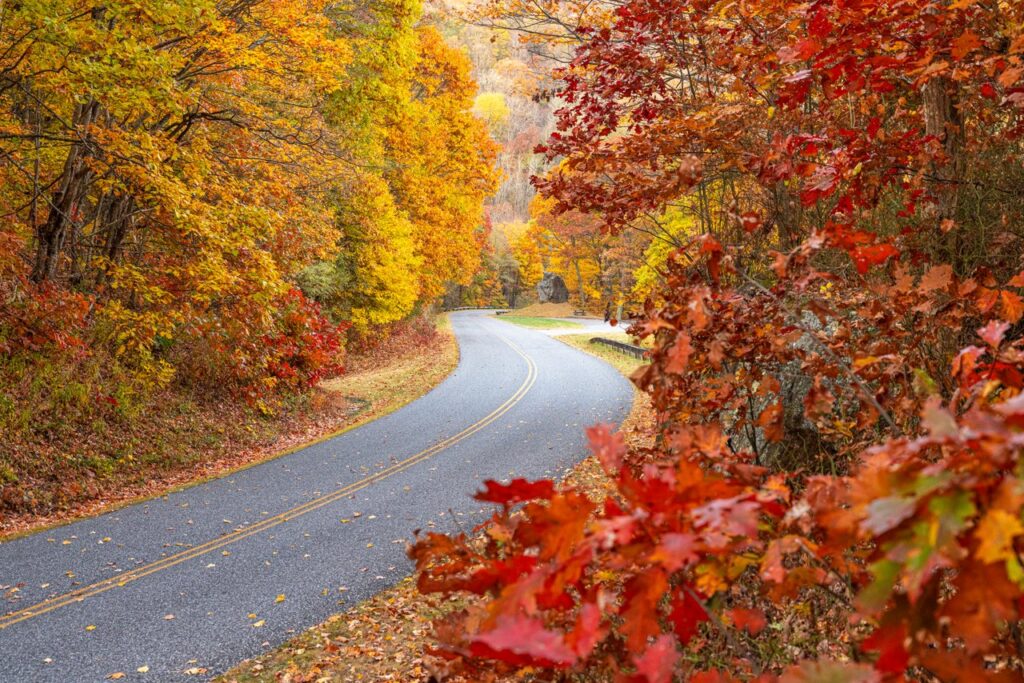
(95, 589)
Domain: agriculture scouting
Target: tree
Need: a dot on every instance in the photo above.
(443, 165)
(836, 370)
(491, 107)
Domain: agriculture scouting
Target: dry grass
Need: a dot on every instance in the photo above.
(548, 310)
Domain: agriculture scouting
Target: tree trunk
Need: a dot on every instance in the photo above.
(942, 119)
(66, 200)
(579, 285)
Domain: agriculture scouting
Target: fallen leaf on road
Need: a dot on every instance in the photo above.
(116, 675)
(143, 669)
(90, 627)
(280, 598)
(258, 624)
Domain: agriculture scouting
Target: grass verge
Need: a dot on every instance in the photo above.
(386, 638)
(540, 323)
(191, 443)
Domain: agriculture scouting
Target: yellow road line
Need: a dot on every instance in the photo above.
(94, 589)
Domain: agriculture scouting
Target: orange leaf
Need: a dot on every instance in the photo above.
(1013, 306)
(771, 420)
(937, 277)
(965, 44)
(750, 620)
(679, 355)
(640, 617)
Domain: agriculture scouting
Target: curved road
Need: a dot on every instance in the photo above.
(188, 584)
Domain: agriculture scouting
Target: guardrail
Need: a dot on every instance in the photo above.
(629, 349)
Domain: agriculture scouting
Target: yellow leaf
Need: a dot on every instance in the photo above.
(259, 624)
(90, 627)
(143, 669)
(116, 675)
(995, 534)
(280, 598)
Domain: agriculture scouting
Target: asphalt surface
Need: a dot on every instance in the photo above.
(192, 583)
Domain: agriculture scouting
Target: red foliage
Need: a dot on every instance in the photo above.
(842, 419)
(261, 354)
(38, 317)
(305, 347)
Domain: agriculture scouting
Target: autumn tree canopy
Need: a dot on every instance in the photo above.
(170, 171)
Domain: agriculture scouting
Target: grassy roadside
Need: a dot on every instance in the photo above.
(386, 637)
(540, 323)
(622, 362)
(212, 441)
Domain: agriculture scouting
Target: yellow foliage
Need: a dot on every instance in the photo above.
(676, 226)
(445, 165)
(492, 109)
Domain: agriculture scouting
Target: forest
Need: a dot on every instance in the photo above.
(206, 203)
(812, 211)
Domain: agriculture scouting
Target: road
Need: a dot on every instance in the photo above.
(189, 584)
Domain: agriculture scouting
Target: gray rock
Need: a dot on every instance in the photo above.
(552, 289)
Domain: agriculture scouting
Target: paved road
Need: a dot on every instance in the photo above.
(192, 580)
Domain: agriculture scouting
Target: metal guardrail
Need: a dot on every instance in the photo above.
(629, 349)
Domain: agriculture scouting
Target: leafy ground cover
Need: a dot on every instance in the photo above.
(77, 472)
